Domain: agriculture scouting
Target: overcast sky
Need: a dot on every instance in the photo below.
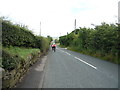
(57, 16)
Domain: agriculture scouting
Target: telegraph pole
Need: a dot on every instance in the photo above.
(60, 34)
(75, 27)
(40, 28)
(119, 12)
(118, 36)
(75, 23)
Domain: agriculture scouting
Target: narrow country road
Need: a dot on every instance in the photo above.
(68, 69)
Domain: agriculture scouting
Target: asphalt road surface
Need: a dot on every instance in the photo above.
(68, 69)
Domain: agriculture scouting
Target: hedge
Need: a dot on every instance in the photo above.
(16, 36)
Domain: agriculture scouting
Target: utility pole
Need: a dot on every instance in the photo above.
(75, 27)
(118, 36)
(40, 28)
(119, 12)
(75, 23)
(60, 34)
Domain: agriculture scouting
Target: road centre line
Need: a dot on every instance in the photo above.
(62, 51)
(81, 60)
(86, 63)
(67, 53)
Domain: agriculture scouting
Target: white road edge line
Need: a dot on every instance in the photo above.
(86, 63)
(67, 53)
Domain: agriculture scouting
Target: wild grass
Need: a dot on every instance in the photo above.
(21, 51)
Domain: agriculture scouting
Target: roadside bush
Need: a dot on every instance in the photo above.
(16, 36)
(14, 56)
(9, 61)
(44, 45)
(13, 36)
(103, 39)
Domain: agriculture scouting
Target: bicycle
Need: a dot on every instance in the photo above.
(54, 49)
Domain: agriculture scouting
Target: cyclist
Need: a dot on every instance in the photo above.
(53, 47)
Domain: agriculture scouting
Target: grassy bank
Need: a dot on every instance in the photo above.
(16, 62)
(12, 56)
(21, 51)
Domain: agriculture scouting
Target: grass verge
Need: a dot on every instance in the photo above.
(21, 51)
(14, 56)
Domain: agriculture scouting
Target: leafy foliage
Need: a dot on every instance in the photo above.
(102, 39)
(9, 62)
(50, 38)
(14, 37)
(56, 41)
(12, 57)
(20, 36)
